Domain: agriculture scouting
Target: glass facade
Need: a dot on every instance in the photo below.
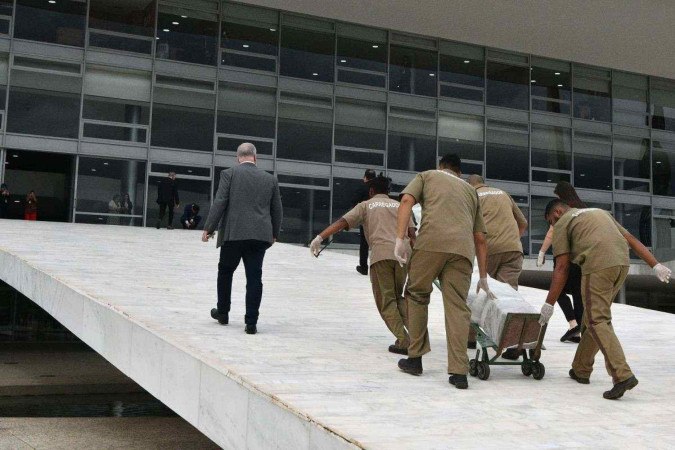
(104, 98)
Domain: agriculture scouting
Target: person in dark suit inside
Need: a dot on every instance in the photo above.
(361, 195)
(190, 218)
(167, 198)
(248, 208)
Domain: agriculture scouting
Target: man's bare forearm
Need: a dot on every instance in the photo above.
(640, 250)
(559, 279)
(335, 227)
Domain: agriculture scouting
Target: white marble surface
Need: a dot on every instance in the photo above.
(317, 375)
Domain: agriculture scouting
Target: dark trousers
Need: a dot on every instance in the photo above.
(363, 250)
(162, 210)
(253, 253)
(573, 288)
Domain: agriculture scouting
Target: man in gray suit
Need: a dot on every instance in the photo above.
(248, 208)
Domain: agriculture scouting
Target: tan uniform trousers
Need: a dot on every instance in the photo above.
(388, 280)
(598, 290)
(505, 267)
(454, 273)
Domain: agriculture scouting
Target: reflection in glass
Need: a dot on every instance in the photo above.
(591, 99)
(360, 132)
(60, 22)
(592, 161)
(663, 168)
(246, 113)
(462, 135)
(413, 71)
(462, 77)
(412, 140)
(629, 99)
(343, 196)
(110, 190)
(183, 35)
(637, 219)
(663, 105)
(189, 191)
(306, 213)
(552, 150)
(507, 85)
(507, 154)
(664, 233)
(305, 128)
(361, 62)
(250, 46)
(307, 54)
(551, 89)
(128, 29)
(6, 11)
(631, 164)
(125, 120)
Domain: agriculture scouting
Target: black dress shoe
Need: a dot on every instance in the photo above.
(222, 319)
(572, 332)
(620, 388)
(251, 329)
(413, 366)
(511, 353)
(362, 270)
(398, 350)
(459, 381)
(579, 379)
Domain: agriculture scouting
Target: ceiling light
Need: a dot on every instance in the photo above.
(628, 214)
(189, 170)
(658, 162)
(432, 74)
(105, 163)
(93, 170)
(343, 60)
(273, 29)
(466, 61)
(175, 23)
(557, 73)
(560, 85)
(376, 46)
(246, 46)
(315, 74)
(52, 1)
(166, 30)
(582, 174)
(15, 156)
(533, 81)
(184, 17)
(157, 37)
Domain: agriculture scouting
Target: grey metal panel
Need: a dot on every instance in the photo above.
(505, 56)
(185, 70)
(114, 151)
(410, 101)
(459, 107)
(348, 172)
(102, 57)
(595, 196)
(511, 187)
(663, 202)
(182, 157)
(50, 144)
(363, 33)
(659, 135)
(506, 114)
(300, 168)
(49, 51)
(204, 5)
(361, 94)
(266, 164)
(224, 160)
(305, 87)
(630, 131)
(553, 120)
(4, 44)
(307, 23)
(620, 197)
(240, 76)
(591, 126)
(414, 41)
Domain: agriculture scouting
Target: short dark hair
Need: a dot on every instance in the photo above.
(370, 174)
(451, 161)
(553, 204)
(195, 207)
(380, 184)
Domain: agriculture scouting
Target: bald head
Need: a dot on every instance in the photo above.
(246, 152)
(475, 180)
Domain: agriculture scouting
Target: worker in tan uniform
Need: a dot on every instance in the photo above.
(505, 224)
(451, 234)
(591, 238)
(378, 217)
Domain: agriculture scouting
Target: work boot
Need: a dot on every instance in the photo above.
(251, 329)
(579, 379)
(413, 366)
(362, 270)
(459, 381)
(572, 332)
(222, 319)
(398, 350)
(620, 388)
(511, 353)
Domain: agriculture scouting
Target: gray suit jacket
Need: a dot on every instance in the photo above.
(247, 206)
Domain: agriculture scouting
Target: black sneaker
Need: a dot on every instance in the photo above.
(572, 332)
(222, 319)
(459, 381)
(575, 339)
(413, 366)
(362, 270)
(579, 379)
(511, 353)
(251, 329)
(398, 350)
(620, 388)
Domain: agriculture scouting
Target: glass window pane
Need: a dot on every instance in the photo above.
(663, 105)
(551, 148)
(6, 9)
(508, 86)
(360, 132)
(246, 113)
(127, 29)
(631, 164)
(305, 128)
(551, 89)
(462, 135)
(592, 161)
(361, 62)
(413, 71)
(250, 46)
(306, 213)
(629, 99)
(113, 187)
(591, 99)
(507, 153)
(412, 140)
(184, 35)
(462, 77)
(663, 168)
(189, 191)
(637, 219)
(664, 232)
(343, 196)
(307, 54)
(61, 22)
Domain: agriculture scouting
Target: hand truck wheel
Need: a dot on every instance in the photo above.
(483, 370)
(473, 368)
(538, 370)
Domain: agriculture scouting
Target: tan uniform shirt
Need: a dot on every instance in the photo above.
(451, 213)
(592, 237)
(502, 218)
(378, 216)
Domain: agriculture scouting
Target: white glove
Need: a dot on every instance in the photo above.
(483, 284)
(315, 246)
(402, 251)
(545, 314)
(662, 272)
(541, 259)
(187, 223)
